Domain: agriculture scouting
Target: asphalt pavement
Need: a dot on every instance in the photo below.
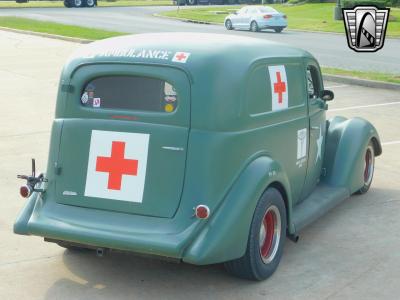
(350, 253)
(330, 49)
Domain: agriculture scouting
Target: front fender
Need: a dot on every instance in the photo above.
(346, 141)
(225, 235)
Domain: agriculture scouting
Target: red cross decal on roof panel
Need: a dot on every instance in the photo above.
(116, 166)
(279, 87)
(181, 57)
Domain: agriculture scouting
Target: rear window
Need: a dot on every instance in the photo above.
(130, 93)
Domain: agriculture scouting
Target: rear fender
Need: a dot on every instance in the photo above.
(225, 236)
(346, 141)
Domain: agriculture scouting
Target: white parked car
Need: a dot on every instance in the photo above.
(256, 18)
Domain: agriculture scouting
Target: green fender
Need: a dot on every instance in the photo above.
(225, 236)
(346, 141)
(21, 224)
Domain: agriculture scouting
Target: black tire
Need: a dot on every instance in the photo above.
(89, 3)
(67, 3)
(77, 3)
(278, 29)
(254, 26)
(228, 24)
(191, 2)
(261, 259)
(369, 167)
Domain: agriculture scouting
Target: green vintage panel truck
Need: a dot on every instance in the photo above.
(200, 147)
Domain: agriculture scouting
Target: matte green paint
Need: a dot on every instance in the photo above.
(232, 149)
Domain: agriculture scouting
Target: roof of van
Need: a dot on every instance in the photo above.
(186, 50)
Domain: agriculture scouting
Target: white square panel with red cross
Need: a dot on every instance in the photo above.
(117, 165)
(279, 87)
(181, 57)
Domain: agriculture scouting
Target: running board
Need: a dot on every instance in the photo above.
(321, 200)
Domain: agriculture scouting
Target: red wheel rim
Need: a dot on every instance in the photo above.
(367, 165)
(269, 225)
(270, 232)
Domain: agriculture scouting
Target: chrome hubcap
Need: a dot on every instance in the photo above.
(270, 233)
(78, 2)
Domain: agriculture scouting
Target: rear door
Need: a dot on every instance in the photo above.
(124, 139)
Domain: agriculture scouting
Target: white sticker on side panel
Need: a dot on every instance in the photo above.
(279, 87)
(117, 165)
(301, 147)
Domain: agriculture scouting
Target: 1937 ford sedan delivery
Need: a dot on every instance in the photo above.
(200, 147)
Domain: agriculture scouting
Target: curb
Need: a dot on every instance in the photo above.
(48, 35)
(362, 82)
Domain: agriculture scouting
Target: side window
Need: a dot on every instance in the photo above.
(260, 93)
(253, 11)
(241, 11)
(312, 82)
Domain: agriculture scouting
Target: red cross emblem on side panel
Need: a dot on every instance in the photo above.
(279, 87)
(116, 166)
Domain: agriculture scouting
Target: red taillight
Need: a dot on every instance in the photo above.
(202, 212)
(267, 17)
(25, 191)
(284, 16)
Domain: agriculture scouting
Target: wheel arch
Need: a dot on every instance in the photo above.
(215, 242)
(346, 140)
(281, 189)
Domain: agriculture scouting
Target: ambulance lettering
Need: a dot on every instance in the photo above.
(279, 87)
(117, 165)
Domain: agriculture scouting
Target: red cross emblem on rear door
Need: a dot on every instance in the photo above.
(116, 166)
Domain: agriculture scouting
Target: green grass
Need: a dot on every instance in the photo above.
(313, 17)
(59, 3)
(56, 28)
(363, 75)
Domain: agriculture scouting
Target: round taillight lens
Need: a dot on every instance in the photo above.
(25, 191)
(202, 212)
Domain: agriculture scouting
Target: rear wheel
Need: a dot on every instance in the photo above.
(90, 3)
(191, 2)
(266, 239)
(369, 167)
(254, 26)
(67, 3)
(77, 3)
(228, 24)
(278, 29)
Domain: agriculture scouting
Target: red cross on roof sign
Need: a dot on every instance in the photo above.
(117, 165)
(279, 87)
(181, 57)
